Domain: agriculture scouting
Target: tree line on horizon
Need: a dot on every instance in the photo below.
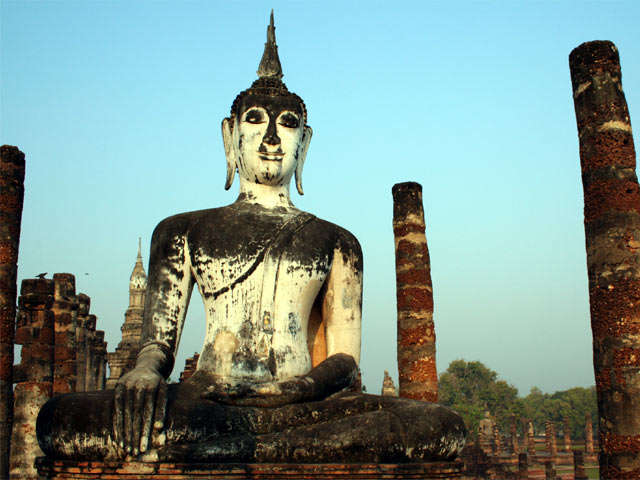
(471, 388)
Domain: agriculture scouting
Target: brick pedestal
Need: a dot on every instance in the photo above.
(61, 469)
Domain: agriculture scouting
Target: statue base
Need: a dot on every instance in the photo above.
(83, 470)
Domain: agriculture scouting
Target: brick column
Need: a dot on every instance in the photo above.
(523, 466)
(90, 360)
(82, 350)
(11, 198)
(100, 370)
(588, 435)
(190, 366)
(531, 439)
(550, 437)
(566, 429)
(34, 374)
(550, 470)
(418, 377)
(497, 443)
(578, 466)
(513, 429)
(612, 227)
(65, 309)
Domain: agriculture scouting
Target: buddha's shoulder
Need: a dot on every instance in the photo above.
(342, 239)
(182, 223)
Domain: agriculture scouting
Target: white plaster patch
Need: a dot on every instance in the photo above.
(615, 125)
(581, 89)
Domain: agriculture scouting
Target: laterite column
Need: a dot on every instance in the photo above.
(65, 309)
(612, 227)
(11, 198)
(418, 377)
(34, 373)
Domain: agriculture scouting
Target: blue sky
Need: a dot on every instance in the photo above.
(117, 106)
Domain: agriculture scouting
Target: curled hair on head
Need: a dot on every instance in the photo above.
(269, 82)
(270, 87)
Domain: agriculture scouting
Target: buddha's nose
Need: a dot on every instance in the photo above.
(271, 135)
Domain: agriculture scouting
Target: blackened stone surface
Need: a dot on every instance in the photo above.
(348, 427)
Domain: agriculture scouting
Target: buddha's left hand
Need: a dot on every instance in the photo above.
(332, 375)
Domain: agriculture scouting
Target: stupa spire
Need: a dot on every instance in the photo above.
(270, 66)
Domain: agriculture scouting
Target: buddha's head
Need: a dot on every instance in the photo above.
(266, 137)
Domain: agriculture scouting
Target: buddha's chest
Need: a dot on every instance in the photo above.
(257, 255)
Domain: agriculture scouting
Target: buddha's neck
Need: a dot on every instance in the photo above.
(265, 195)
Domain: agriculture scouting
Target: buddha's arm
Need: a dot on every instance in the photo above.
(141, 394)
(342, 305)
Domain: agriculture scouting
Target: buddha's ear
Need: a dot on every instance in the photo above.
(229, 151)
(302, 155)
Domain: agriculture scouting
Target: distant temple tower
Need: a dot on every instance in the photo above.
(124, 358)
(388, 388)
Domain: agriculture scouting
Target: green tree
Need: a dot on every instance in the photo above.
(573, 403)
(471, 387)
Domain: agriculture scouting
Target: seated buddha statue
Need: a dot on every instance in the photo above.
(282, 291)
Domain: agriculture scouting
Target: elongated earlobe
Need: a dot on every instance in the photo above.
(229, 151)
(302, 156)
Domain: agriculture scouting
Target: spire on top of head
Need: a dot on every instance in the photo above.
(270, 64)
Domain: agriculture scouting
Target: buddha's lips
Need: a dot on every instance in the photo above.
(271, 157)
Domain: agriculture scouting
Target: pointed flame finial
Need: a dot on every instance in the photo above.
(139, 248)
(270, 64)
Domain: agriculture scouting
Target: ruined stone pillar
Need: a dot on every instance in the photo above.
(11, 198)
(65, 309)
(550, 470)
(612, 227)
(513, 429)
(578, 466)
(531, 440)
(550, 432)
(98, 365)
(523, 466)
(82, 350)
(588, 442)
(525, 437)
(34, 374)
(497, 443)
(418, 377)
(566, 429)
(91, 382)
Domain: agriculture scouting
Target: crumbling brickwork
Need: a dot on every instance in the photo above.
(612, 227)
(418, 377)
(34, 374)
(65, 307)
(190, 366)
(61, 352)
(12, 166)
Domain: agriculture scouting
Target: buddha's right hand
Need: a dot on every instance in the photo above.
(140, 406)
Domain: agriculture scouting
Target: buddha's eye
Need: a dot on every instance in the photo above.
(254, 116)
(289, 120)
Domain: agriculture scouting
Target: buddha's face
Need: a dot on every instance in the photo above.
(268, 135)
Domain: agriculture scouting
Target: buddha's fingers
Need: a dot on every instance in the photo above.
(147, 418)
(160, 406)
(118, 420)
(128, 419)
(139, 406)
